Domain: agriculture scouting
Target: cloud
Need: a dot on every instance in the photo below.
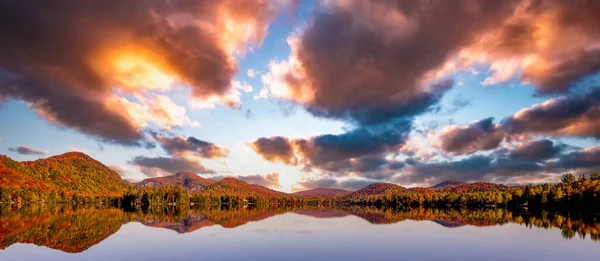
(185, 154)
(537, 150)
(550, 43)
(351, 184)
(269, 180)
(382, 55)
(252, 73)
(161, 166)
(587, 159)
(335, 151)
(180, 146)
(573, 115)
(479, 136)
(275, 149)
(78, 63)
(25, 150)
(119, 169)
(249, 114)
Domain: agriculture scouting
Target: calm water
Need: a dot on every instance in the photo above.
(63, 233)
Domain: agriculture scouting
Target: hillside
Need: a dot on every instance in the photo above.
(189, 181)
(475, 187)
(232, 186)
(376, 189)
(448, 183)
(322, 192)
(70, 172)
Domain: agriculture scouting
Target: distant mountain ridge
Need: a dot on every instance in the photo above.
(189, 181)
(322, 192)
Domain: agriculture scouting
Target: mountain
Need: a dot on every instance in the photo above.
(448, 183)
(68, 230)
(376, 189)
(232, 186)
(70, 172)
(189, 181)
(190, 223)
(322, 192)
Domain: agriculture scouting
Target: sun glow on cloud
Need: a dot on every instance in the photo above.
(134, 71)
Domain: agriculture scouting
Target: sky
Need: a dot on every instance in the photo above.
(295, 94)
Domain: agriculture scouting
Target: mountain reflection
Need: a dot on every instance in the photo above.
(74, 229)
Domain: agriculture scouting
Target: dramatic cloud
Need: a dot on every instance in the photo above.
(481, 135)
(375, 63)
(161, 166)
(383, 56)
(78, 63)
(25, 150)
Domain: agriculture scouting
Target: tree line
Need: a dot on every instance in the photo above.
(572, 193)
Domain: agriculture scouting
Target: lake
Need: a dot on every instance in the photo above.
(352, 233)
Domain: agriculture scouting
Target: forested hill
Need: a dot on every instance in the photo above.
(188, 181)
(232, 186)
(72, 172)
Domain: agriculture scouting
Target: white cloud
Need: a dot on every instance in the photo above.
(252, 73)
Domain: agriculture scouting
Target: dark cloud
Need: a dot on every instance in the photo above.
(570, 115)
(183, 153)
(535, 160)
(25, 150)
(351, 184)
(537, 150)
(358, 150)
(574, 115)
(161, 166)
(588, 159)
(276, 149)
(64, 58)
(479, 136)
(353, 144)
(178, 146)
(474, 168)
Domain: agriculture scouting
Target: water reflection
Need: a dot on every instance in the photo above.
(74, 229)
